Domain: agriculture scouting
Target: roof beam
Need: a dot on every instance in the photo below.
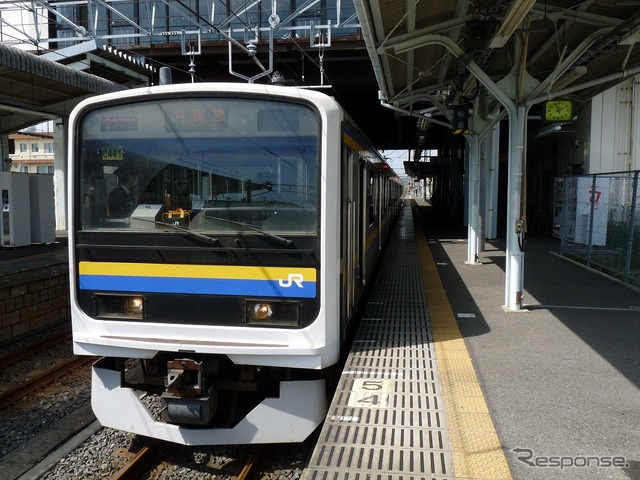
(559, 32)
(462, 6)
(420, 36)
(383, 78)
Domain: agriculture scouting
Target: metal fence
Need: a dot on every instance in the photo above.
(598, 222)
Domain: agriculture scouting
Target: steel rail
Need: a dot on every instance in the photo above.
(35, 348)
(138, 465)
(44, 378)
(252, 464)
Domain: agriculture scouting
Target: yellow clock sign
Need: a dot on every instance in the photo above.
(558, 110)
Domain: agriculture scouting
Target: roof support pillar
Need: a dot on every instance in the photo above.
(489, 164)
(514, 280)
(60, 171)
(474, 231)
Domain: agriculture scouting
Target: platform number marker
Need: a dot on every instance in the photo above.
(369, 393)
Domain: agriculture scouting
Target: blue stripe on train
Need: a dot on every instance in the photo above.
(196, 286)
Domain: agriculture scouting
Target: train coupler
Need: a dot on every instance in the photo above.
(183, 396)
(189, 410)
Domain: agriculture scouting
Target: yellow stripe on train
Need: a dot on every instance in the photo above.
(193, 271)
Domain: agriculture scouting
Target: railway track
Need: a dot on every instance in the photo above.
(138, 465)
(45, 378)
(33, 349)
(149, 463)
(38, 378)
(44, 399)
(93, 452)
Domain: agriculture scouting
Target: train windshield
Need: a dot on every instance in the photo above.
(209, 165)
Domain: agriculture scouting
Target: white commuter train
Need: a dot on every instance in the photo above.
(223, 285)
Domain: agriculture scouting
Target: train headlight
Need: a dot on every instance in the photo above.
(134, 306)
(267, 313)
(119, 307)
(262, 311)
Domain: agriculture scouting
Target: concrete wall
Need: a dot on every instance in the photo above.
(33, 301)
(615, 130)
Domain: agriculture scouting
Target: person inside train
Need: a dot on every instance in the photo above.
(122, 201)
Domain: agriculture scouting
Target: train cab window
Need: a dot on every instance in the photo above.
(214, 165)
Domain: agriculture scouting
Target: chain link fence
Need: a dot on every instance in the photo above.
(598, 222)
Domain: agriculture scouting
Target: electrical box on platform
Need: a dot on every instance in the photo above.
(15, 219)
(43, 215)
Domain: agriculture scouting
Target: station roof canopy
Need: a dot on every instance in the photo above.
(36, 88)
(423, 52)
(400, 78)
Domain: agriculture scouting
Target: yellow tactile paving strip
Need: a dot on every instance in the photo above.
(476, 449)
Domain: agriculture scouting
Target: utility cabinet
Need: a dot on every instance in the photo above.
(43, 215)
(15, 219)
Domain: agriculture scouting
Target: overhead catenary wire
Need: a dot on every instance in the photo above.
(198, 19)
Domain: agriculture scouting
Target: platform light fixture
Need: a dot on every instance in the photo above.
(630, 38)
(571, 77)
(513, 18)
(548, 130)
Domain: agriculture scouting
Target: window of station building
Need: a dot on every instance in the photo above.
(24, 148)
(48, 147)
(174, 19)
(341, 12)
(123, 34)
(249, 17)
(35, 147)
(315, 15)
(220, 11)
(77, 14)
(44, 169)
(142, 13)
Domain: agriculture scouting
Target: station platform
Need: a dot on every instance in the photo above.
(18, 261)
(443, 383)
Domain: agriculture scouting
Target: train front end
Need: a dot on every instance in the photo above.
(202, 235)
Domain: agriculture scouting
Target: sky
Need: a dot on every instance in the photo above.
(396, 159)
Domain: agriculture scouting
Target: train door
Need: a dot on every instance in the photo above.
(350, 231)
(362, 226)
(382, 181)
(370, 222)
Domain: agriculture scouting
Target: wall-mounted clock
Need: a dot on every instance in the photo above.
(558, 110)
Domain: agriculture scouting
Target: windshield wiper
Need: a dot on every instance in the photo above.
(186, 231)
(285, 241)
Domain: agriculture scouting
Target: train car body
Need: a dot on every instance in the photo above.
(221, 238)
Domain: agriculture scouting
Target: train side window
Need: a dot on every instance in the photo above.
(372, 199)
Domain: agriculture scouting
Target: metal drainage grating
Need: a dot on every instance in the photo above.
(386, 420)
